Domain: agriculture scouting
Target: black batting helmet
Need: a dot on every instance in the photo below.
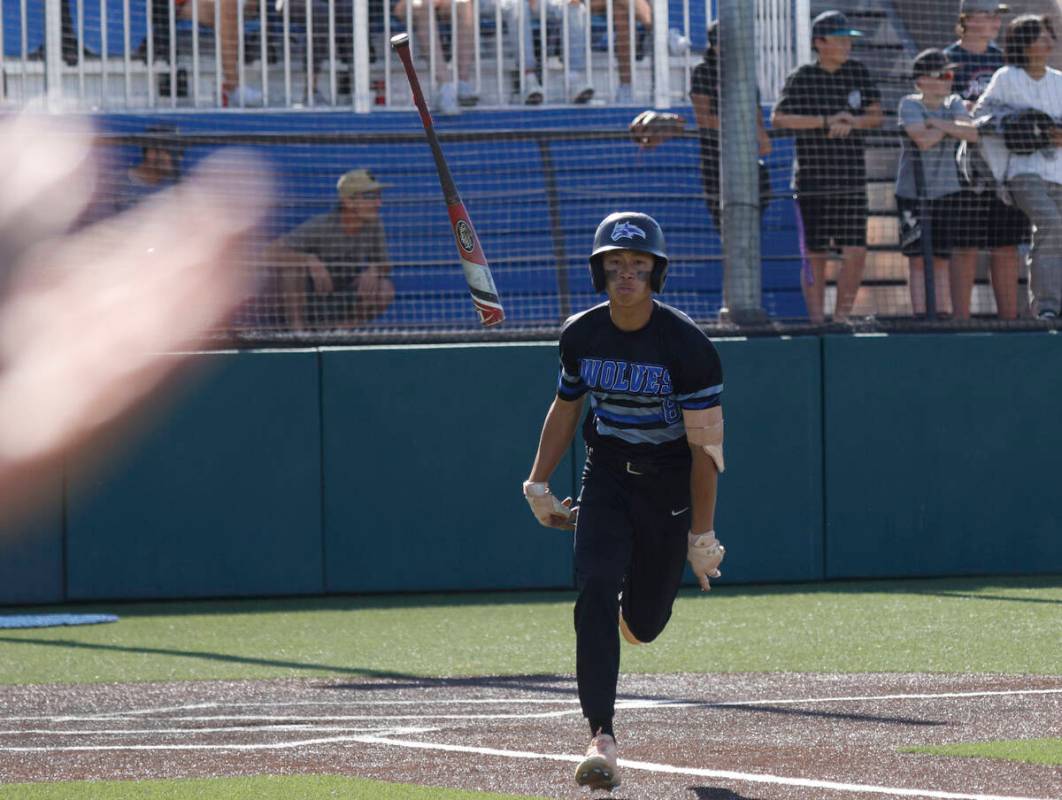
(629, 230)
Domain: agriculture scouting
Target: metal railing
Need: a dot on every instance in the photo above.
(297, 54)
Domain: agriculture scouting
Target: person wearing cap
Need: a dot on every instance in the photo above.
(935, 120)
(1033, 179)
(829, 104)
(334, 268)
(1000, 228)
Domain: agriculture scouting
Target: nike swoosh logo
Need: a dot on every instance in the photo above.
(680, 511)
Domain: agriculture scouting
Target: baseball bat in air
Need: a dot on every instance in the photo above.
(477, 270)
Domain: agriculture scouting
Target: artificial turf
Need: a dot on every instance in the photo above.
(1004, 625)
(1031, 751)
(268, 787)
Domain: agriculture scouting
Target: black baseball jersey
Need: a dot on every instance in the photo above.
(639, 381)
(821, 162)
(973, 71)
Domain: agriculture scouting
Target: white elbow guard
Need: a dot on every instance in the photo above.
(704, 429)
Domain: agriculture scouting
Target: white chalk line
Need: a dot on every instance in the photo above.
(221, 746)
(264, 728)
(622, 704)
(745, 777)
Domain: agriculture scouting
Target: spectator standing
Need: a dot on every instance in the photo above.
(1033, 174)
(335, 268)
(829, 104)
(449, 95)
(935, 120)
(1000, 228)
(704, 94)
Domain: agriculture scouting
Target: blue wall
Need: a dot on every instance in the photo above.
(535, 239)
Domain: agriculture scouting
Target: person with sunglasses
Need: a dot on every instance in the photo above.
(1000, 228)
(935, 120)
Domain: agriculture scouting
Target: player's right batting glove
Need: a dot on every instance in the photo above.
(547, 509)
(705, 554)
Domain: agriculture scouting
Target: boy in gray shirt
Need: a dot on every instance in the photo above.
(935, 121)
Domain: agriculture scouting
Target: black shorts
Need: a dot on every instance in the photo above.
(835, 218)
(950, 228)
(994, 222)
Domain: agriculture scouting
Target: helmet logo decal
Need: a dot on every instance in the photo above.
(626, 230)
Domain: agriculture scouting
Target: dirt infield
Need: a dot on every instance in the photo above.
(696, 737)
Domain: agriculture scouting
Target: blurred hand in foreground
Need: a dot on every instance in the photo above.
(92, 323)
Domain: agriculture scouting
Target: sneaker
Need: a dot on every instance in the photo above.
(624, 94)
(532, 90)
(582, 94)
(466, 93)
(677, 44)
(1047, 313)
(446, 100)
(599, 770)
(241, 97)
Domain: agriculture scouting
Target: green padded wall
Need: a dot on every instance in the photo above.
(221, 498)
(941, 454)
(31, 550)
(425, 451)
(769, 514)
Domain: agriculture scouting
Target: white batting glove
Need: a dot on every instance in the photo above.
(548, 510)
(705, 554)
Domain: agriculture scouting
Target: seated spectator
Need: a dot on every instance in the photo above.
(643, 13)
(829, 104)
(935, 120)
(232, 94)
(159, 168)
(1000, 228)
(531, 88)
(449, 96)
(334, 268)
(1033, 169)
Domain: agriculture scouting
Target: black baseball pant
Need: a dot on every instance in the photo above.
(630, 538)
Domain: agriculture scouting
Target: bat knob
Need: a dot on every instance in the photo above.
(400, 40)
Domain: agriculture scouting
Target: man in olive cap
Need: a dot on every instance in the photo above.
(334, 267)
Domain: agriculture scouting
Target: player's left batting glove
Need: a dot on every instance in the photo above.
(547, 509)
(705, 554)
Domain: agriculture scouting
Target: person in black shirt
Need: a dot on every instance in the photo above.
(654, 448)
(829, 104)
(999, 228)
(704, 94)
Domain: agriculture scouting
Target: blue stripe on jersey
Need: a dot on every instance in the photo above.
(638, 436)
(704, 398)
(570, 386)
(654, 418)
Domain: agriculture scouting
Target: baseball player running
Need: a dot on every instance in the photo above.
(654, 448)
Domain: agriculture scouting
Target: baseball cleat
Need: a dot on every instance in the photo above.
(599, 770)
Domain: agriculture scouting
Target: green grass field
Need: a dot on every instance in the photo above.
(303, 787)
(1031, 751)
(968, 625)
(998, 625)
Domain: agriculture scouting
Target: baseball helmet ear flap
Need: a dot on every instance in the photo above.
(629, 230)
